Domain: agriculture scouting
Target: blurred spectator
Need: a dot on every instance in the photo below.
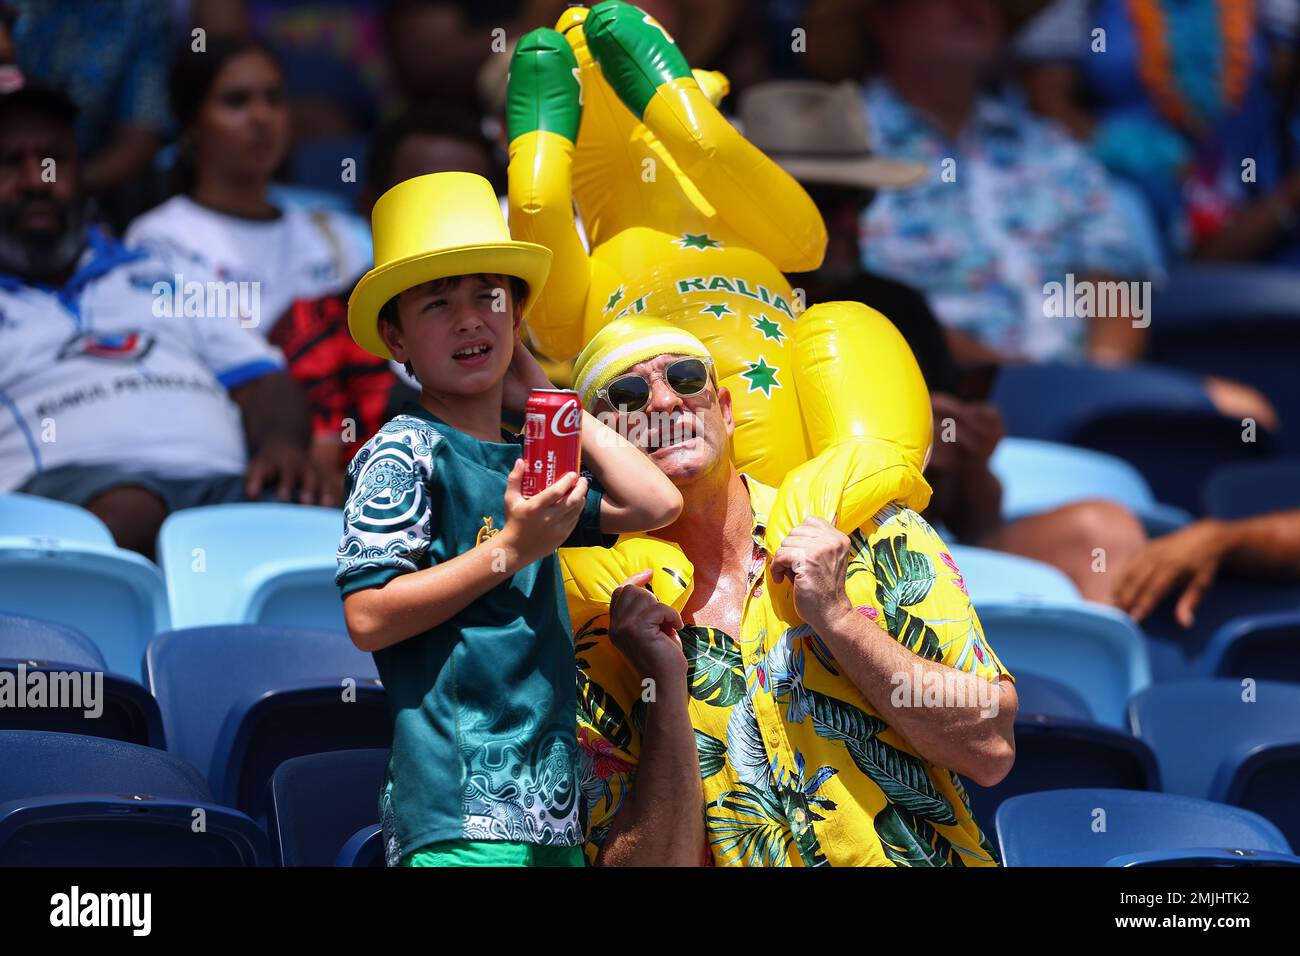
(1190, 558)
(436, 47)
(8, 55)
(350, 390)
(111, 58)
(347, 33)
(1178, 97)
(818, 134)
(114, 399)
(1010, 204)
(229, 102)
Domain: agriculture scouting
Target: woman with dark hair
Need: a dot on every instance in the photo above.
(230, 107)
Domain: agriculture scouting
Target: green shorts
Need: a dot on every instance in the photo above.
(494, 853)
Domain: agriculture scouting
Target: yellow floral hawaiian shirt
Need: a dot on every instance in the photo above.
(797, 768)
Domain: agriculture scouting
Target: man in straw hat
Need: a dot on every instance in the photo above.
(708, 733)
(448, 574)
(818, 133)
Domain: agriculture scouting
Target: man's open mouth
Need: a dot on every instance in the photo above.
(657, 441)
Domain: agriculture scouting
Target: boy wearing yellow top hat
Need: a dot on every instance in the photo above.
(449, 576)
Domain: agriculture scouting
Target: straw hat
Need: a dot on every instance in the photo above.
(817, 132)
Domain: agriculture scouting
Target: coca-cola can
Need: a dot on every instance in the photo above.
(552, 437)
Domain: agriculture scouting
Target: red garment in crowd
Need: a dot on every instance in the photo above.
(344, 383)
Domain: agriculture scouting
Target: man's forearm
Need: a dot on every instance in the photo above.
(970, 734)
(1268, 544)
(637, 495)
(662, 824)
(273, 408)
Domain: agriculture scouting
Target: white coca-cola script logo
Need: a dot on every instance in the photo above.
(567, 419)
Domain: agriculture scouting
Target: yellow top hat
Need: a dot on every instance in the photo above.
(432, 227)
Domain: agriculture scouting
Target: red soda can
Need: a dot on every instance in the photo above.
(552, 437)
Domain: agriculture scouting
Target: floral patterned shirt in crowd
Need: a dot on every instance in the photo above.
(797, 768)
(1008, 207)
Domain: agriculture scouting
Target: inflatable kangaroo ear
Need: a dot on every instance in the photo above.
(847, 484)
(866, 408)
(857, 378)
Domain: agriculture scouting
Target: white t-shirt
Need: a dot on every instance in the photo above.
(100, 372)
(301, 254)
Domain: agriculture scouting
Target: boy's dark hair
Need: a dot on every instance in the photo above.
(448, 122)
(388, 313)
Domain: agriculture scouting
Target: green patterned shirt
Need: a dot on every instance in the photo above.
(484, 736)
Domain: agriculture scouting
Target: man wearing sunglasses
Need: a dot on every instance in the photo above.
(706, 740)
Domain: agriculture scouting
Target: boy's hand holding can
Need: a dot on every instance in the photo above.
(537, 525)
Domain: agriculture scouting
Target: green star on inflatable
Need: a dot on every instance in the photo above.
(761, 377)
(770, 329)
(703, 240)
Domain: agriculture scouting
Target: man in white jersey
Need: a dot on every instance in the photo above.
(108, 398)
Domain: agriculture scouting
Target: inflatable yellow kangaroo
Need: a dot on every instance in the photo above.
(690, 222)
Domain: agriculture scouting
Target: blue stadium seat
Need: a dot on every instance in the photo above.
(1193, 725)
(1048, 697)
(1160, 420)
(1238, 321)
(118, 708)
(1040, 476)
(1179, 652)
(126, 711)
(30, 638)
(69, 800)
(1206, 856)
(1259, 644)
(1051, 401)
(308, 831)
(1093, 827)
(1219, 297)
(1056, 753)
(113, 596)
(995, 576)
(1246, 489)
(1263, 776)
(1176, 453)
(32, 516)
(1095, 650)
(240, 700)
(270, 564)
(364, 848)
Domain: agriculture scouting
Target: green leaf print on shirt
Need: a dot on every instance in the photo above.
(714, 669)
(904, 578)
(712, 753)
(595, 706)
(900, 775)
(909, 841)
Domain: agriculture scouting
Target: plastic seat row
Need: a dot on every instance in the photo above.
(264, 564)
(233, 701)
(1101, 827)
(73, 800)
(239, 701)
(1232, 742)
(1158, 420)
(120, 605)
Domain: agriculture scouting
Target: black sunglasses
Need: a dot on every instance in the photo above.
(631, 392)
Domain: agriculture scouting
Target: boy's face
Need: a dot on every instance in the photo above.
(457, 333)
